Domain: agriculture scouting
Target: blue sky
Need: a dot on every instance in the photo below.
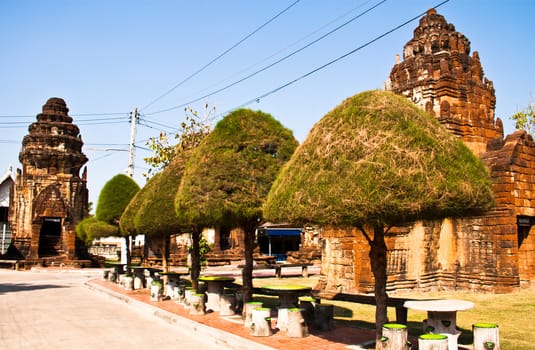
(106, 57)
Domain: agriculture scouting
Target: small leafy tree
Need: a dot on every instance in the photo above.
(229, 175)
(374, 162)
(525, 119)
(188, 136)
(113, 200)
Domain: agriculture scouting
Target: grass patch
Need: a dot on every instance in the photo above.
(514, 313)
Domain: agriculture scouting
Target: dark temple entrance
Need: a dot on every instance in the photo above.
(277, 241)
(50, 237)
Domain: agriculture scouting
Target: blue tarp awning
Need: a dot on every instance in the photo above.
(283, 232)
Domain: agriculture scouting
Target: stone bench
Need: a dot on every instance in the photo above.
(278, 268)
(398, 303)
(13, 264)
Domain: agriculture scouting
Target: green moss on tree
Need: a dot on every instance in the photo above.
(230, 173)
(376, 161)
(114, 197)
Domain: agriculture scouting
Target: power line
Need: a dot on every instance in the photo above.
(272, 64)
(287, 47)
(220, 56)
(258, 98)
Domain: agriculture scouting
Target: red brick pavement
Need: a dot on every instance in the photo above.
(341, 337)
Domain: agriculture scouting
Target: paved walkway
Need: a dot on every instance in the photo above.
(54, 309)
(229, 331)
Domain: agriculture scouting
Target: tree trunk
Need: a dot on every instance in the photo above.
(378, 262)
(195, 259)
(165, 255)
(127, 240)
(247, 271)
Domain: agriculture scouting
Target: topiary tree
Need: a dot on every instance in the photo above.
(374, 162)
(91, 228)
(113, 200)
(229, 175)
(126, 222)
(156, 217)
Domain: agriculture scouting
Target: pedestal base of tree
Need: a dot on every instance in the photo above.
(486, 336)
(196, 303)
(394, 337)
(432, 342)
(249, 307)
(261, 322)
(296, 325)
(226, 304)
(323, 317)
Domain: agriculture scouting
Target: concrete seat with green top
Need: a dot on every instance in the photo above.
(395, 337)
(486, 336)
(261, 322)
(432, 342)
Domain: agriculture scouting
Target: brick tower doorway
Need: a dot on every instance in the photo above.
(50, 237)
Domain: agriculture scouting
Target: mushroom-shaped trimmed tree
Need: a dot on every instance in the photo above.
(229, 175)
(113, 200)
(127, 220)
(374, 162)
(156, 217)
(91, 228)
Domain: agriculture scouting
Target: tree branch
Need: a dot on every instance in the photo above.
(361, 229)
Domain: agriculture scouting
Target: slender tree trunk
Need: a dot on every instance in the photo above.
(146, 244)
(165, 255)
(247, 271)
(127, 240)
(195, 259)
(378, 262)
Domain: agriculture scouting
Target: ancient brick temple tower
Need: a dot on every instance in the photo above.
(439, 75)
(493, 252)
(49, 196)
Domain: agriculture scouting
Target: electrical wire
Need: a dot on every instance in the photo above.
(272, 64)
(287, 47)
(258, 98)
(220, 56)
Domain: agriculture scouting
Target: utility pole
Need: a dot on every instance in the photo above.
(133, 123)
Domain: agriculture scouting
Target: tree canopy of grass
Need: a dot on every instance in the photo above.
(376, 161)
(112, 202)
(155, 214)
(114, 198)
(229, 175)
(378, 158)
(90, 228)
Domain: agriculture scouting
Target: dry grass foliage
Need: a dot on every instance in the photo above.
(377, 157)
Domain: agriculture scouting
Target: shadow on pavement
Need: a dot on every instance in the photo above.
(20, 287)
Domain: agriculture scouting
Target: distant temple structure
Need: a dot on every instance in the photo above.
(49, 197)
(494, 252)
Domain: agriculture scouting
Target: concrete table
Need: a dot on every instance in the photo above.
(288, 294)
(171, 281)
(215, 287)
(441, 316)
(288, 298)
